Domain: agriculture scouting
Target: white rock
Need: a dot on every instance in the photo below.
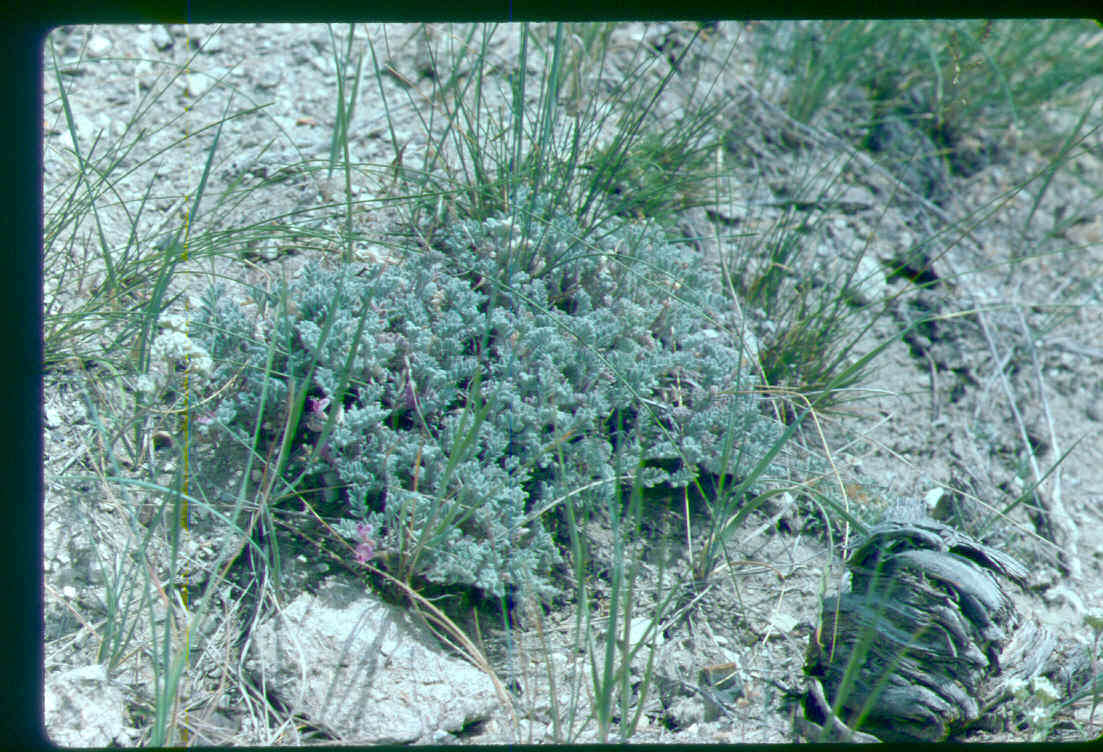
(932, 497)
(783, 622)
(213, 45)
(84, 709)
(532, 732)
(197, 84)
(161, 37)
(367, 669)
(868, 284)
(95, 672)
(98, 46)
(51, 417)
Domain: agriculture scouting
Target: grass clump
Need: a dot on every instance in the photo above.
(570, 123)
(944, 87)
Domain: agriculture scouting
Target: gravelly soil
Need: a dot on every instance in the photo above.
(962, 413)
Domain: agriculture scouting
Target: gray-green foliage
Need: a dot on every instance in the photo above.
(496, 376)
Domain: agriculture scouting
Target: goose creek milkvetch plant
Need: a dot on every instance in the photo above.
(491, 378)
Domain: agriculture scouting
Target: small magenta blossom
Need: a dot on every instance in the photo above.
(365, 551)
(316, 417)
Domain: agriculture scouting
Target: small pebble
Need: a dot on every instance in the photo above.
(197, 84)
(212, 46)
(50, 416)
(269, 77)
(161, 37)
(98, 46)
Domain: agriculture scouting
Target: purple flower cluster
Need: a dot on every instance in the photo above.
(365, 551)
(316, 421)
(316, 418)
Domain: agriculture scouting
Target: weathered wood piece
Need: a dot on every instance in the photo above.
(925, 641)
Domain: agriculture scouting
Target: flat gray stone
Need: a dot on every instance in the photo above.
(367, 670)
(83, 708)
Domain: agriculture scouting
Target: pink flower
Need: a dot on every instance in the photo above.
(316, 418)
(365, 551)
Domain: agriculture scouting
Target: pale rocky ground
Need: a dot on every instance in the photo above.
(948, 418)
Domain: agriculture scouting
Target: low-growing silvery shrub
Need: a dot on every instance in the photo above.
(493, 377)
